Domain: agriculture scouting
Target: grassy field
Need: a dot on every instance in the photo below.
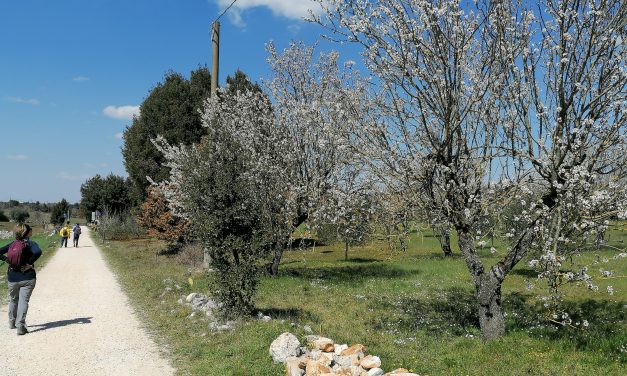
(48, 245)
(413, 309)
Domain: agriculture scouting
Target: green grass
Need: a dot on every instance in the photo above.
(413, 309)
(48, 245)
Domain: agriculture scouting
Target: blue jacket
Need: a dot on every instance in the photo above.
(33, 252)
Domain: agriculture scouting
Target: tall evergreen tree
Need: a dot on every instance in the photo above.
(58, 210)
(170, 110)
(111, 194)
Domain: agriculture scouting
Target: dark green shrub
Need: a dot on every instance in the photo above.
(19, 215)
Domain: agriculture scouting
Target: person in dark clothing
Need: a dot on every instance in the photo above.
(21, 279)
(77, 233)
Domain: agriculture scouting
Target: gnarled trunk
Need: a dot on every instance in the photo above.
(443, 234)
(445, 242)
(491, 318)
(273, 267)
(487, 289)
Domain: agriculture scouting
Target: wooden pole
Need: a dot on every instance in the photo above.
(215, 55)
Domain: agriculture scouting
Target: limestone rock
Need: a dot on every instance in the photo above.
(370, 361)
(315, 368)
(376, 372)
(315, 354)
(344, 371)
(342, 361)
(358, 348)
(190, 297)
(284, 346)
(324, 344)
(292, 367)
(325, 359)
(339, 348)
(300, 362)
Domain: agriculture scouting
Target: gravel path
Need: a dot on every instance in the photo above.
(80, 322)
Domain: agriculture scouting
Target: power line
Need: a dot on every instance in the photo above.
(224, 11)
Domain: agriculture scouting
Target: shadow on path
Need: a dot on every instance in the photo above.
(57, 324)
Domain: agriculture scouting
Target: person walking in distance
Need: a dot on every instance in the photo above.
(77, 234)
(65, 234)
(21, 255)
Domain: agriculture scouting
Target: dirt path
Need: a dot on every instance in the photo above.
(80, 323)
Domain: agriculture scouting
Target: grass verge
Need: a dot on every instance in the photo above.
(414, 309)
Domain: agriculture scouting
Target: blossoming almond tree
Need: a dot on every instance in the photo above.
(567, 120)
(456, 78)
(439, 81)
(314, 100)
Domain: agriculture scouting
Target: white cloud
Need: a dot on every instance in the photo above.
(80, 79)
(32, 101)
(119, 135)
(292, 9)
(121, 112)
(66, 176)
(17, 157)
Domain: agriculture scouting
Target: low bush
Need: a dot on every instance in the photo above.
(119, 227)
(191, 255)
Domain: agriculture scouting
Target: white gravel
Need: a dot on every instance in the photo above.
(80, 322)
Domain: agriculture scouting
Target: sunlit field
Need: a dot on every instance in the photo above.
(414, 309)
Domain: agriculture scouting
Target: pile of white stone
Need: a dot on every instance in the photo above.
(323, 357)
(6, 234)
(202, 303)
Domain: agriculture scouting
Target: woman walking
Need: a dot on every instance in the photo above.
(21, 255)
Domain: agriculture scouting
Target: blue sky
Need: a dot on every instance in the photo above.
(72, 73)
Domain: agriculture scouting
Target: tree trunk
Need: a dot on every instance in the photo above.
(443, 233)
(600, 238)
(273, 268)
(446, 244)
(487, 288)
(345, 251)
(491, 319)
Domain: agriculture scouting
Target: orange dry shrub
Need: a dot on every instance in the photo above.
(156, 217)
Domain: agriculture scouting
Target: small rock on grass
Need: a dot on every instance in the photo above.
(190, 297)
(286, 345)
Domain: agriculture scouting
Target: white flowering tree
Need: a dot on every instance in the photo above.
(314, 102)
(567, 122)
(484, 103)
(348, 213)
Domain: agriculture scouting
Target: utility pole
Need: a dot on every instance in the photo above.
(215, 55)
